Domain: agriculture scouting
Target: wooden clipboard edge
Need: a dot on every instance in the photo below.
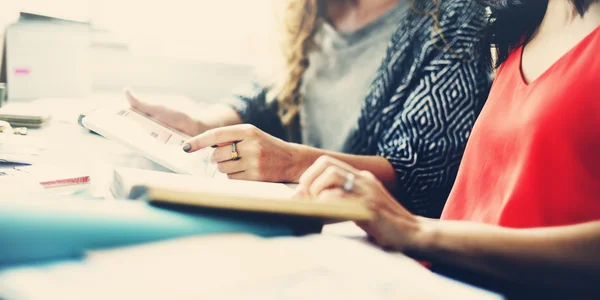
(351, 209)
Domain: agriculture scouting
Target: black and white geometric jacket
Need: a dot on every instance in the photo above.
(421, 106)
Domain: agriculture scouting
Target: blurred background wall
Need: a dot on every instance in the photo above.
(199, 48)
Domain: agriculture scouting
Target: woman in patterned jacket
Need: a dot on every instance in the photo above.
(406, 119)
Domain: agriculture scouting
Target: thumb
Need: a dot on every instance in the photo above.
(139, 105)
(133, 100)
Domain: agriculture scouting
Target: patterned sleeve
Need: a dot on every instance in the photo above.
(250, 102)
(426, 142)
(420, 110)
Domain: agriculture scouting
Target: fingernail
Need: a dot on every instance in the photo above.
(187, 147)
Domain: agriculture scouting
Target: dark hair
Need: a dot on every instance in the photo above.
(513, 22)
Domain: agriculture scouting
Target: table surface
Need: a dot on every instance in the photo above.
(76, 148)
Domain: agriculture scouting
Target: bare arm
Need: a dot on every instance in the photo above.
(565, 256)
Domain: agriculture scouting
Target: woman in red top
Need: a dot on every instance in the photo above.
(525, 206)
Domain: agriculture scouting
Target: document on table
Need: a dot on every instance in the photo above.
(15, 188)
(22, 149)
(238, 267)
(148, 137)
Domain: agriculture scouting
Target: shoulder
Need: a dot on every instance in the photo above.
(448, 27)
(448, 16)
(459, 12)
(464, 17)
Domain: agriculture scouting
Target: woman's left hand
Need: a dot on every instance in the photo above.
(393, 226)
(261, 157)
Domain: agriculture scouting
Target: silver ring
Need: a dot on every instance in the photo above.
(349, 184)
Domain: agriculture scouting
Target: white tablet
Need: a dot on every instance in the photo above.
(151, 139)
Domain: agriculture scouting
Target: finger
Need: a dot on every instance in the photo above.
(238, 176)
(300, 195)
(332, 195)
(317, 168)
(141, 106)
(223, 152)
(332, 177)
(231, 166)
(218, 136)
(133, 100)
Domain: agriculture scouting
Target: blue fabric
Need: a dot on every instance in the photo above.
(421, 106)
(63, 229)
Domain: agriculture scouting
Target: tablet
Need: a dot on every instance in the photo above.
(151, 139)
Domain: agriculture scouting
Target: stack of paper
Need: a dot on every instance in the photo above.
(22, 149)
(23, 115)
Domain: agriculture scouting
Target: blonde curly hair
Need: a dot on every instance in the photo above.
(297, 27)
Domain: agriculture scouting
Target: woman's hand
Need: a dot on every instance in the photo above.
(169, 117)
(393, 226)
(262, 157)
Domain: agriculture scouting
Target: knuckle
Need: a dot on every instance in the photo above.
(250, 130)
(331, 171)
(324, 160)
(366, 174)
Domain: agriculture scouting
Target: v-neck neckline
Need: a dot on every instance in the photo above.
(556, 63)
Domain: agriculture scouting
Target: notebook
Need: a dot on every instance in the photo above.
(231, 195)
(37, 228)
(22, 115)
(151, 139)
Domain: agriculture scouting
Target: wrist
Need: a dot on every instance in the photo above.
(425, 238)
(302, 158)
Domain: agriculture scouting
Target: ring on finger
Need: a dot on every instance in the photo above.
(349, 184)
(234, 153)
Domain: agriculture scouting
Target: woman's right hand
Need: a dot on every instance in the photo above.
(175, 119)
(393, 226)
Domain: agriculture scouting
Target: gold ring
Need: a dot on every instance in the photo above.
(234, 154)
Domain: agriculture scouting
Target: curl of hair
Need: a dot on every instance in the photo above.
(299, 27)
(513, 22)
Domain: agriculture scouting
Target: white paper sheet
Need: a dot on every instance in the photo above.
(156, 142)
(239, 267)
